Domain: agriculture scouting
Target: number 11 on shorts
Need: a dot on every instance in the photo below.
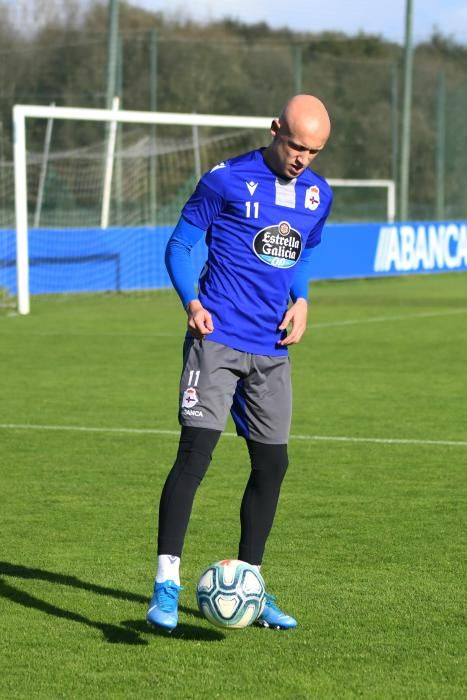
(194, 373)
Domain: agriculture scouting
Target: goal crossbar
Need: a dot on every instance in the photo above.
(134, 117)
(390, 185)
(22, 112)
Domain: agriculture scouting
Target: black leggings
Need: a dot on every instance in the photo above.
(268, 467)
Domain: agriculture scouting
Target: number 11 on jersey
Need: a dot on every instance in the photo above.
(255, 210)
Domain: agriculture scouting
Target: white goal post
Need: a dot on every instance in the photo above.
(114, 116)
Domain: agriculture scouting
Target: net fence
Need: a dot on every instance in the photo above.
(74, 246)
(155, 169)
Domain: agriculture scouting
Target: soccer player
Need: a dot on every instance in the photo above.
(262, 213)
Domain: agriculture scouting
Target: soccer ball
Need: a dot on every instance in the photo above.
(230, 593)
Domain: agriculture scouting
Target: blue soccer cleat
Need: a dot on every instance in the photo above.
(163, 608)
(275, 618)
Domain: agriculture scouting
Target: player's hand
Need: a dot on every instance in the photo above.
(297, 316)
(199, 320)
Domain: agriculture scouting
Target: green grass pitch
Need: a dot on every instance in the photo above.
(368, 550)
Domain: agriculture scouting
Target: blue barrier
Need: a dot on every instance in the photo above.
(374, 250)
(78, 260)
(88, 260)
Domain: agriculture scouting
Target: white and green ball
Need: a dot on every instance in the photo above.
(230, 593)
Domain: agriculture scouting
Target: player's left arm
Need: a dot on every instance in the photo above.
(297, 314)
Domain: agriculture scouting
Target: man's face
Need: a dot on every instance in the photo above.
(293, 152)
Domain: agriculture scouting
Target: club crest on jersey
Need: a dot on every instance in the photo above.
(279, 246)
(312, 198)
(190, 398)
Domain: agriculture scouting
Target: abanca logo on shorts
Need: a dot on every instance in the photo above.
(192, 412)
(279, 246)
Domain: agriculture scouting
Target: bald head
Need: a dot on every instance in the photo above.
(306, 114)
(300, 134)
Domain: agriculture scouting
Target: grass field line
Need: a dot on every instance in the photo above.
(312, 326)
(382, 319)
(161, 431)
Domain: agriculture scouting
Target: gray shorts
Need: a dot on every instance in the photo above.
(256, 389)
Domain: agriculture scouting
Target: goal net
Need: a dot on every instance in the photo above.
(98, 192)
(7, 239)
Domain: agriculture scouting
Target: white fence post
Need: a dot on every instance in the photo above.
(109, 166)
(21, 209)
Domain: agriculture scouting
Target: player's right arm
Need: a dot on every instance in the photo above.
(180, 269)
(199, 319)
(206, 202)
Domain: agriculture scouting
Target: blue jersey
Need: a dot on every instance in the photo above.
(257, 226)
